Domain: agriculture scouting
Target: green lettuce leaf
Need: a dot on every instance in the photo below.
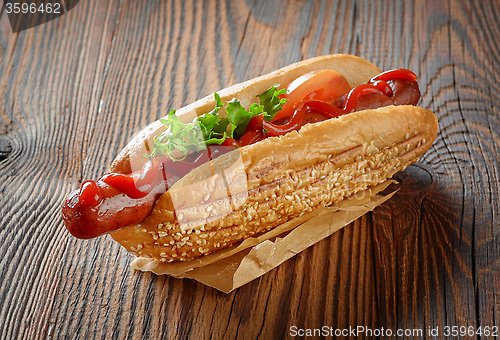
(211, 128)
(271, 103)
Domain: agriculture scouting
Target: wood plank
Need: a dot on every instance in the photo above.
(47, 88)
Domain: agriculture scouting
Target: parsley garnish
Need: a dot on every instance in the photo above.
(181, 139)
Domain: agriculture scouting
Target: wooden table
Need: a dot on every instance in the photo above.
(75, 90)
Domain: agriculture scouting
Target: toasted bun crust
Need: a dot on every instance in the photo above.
(257, 187)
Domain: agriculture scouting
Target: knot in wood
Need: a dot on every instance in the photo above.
(5, 146)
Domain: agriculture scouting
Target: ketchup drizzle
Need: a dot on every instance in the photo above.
(377, 85)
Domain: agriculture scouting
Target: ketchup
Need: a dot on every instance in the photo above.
(386, 87)
(117, 200)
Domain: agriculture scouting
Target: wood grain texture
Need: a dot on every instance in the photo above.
(75, 90)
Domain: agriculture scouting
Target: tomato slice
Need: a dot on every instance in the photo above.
(316, 85)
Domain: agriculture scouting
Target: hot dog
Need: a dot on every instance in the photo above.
(335, 125)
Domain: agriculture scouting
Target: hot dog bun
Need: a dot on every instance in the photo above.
(257, 187)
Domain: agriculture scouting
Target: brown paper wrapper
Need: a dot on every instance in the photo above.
(230, 268)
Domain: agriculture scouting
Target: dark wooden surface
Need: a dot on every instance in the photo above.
(73, 91)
